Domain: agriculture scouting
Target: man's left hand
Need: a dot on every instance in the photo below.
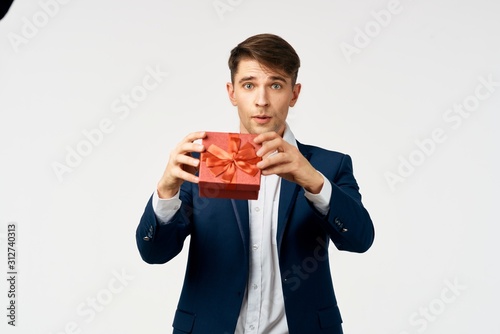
(285, 160)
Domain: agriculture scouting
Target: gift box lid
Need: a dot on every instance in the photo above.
(228, 166)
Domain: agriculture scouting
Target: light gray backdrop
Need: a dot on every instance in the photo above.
(94, 95)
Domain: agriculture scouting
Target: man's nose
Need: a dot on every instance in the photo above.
(262, 100)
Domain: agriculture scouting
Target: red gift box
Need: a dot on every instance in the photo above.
(228, 166)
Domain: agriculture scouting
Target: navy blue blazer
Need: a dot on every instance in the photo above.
(218, 260)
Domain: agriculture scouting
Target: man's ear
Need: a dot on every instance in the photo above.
(296, 93)
(4, 7)
(230, 93)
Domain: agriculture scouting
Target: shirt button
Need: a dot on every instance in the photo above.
(255, 247)
(252, 327)
(254, 286)
(176, 207)
(257, 209)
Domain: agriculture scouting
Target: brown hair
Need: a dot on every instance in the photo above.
(269, 50)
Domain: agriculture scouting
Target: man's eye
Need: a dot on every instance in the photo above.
(247, 86)
(276, 86)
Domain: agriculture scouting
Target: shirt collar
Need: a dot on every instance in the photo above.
(289, 137)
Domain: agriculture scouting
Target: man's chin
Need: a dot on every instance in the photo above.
(257, 130)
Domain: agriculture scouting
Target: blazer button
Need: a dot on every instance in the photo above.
(339, 223)
(146, 238)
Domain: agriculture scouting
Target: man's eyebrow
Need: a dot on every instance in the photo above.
(248, 78)
(277, 78)
(272, 78)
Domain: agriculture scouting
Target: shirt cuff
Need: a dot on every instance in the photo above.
(321, 201)
(165, 209)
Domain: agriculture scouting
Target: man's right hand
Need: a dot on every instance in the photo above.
(181, 166)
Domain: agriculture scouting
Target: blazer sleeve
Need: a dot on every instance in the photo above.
(348, 223)
(159, 243)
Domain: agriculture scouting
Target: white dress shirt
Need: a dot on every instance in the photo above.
(263, 307)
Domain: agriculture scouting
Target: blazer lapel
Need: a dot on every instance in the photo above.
(288, 194)
(240, 208)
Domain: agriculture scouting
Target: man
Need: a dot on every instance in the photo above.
(259, 266)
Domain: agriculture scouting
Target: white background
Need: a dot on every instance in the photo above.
(435, 227)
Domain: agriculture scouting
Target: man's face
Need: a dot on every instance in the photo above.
(262, 97)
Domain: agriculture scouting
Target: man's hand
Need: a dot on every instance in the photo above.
(285, 160)
(181, 166)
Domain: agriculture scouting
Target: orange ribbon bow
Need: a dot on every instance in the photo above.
(224, 164)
